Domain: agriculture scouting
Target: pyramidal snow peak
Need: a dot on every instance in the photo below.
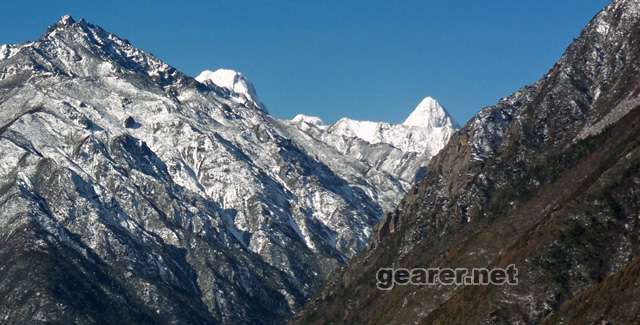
(153, 197)
(430, 114)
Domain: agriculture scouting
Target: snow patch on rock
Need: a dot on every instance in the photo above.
(313, 120)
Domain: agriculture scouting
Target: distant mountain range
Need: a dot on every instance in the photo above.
(398, 149)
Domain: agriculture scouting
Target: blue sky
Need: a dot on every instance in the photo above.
(369, 60)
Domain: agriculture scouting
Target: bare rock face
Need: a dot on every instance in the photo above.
(132, 193)
(131, 123)
(547, 179)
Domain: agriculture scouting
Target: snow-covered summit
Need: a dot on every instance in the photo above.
(66, 20)
(240, 87)
(429, 114)
(313, 120)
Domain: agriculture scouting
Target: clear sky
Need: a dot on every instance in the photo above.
(369, 60)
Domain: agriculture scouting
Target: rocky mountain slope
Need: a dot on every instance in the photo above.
(548, 179)
(133, 193)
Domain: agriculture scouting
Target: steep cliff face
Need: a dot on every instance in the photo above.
(547, 179)
(132, 193)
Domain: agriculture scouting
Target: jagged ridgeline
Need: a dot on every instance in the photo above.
(548, 179)
(133, 193)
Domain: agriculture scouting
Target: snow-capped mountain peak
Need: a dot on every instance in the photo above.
(313, 120)
(235, 82)
(429, 114)
(66, 20)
